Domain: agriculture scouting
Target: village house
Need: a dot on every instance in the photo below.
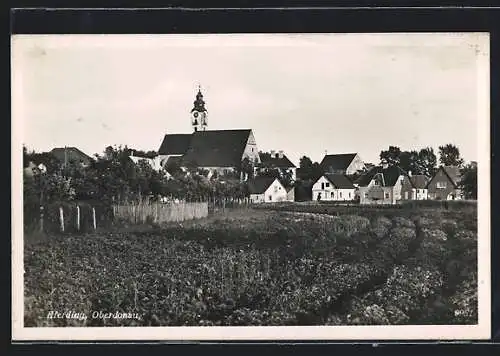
(220, 151)
(385, 185)
(67, 155)
(419, 182)
(444, 185)
(266, 190)
(333, 187)
(345, 163)
(280, 161)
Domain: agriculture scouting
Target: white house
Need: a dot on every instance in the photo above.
(419, 182)
(266, 190)
(278, 160)
(385, 185)
(333, 187)
(344, 163)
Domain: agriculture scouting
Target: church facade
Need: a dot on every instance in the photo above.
(218, 151)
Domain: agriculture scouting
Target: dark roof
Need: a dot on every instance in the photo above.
(390, 174)
(173, 160)
(260, 184)
(276, 162)
(72, 154)
(217, 148)
(337, 162)
(419, 181)
(452, 172)
(175, 144)
(339, 181)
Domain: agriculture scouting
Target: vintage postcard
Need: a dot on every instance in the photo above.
(251, 187)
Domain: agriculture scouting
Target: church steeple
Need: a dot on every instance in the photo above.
(199, 113)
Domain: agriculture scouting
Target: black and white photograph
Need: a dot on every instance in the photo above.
(251, 186)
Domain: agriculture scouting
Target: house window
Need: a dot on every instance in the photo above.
(322, 185)
(376, 182)
(252, 149)
(327, 184)
(366, 195)
(349, 194)
(441, 185)
(386, 195)
(270, 198)
(333, 195)
(340, 194)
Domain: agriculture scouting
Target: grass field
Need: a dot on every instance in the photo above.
(264, 267)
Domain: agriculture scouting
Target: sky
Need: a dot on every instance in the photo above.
(303, 94)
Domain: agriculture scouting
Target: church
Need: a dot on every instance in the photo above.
(213, 150)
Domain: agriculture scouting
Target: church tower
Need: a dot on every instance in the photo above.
(199, 113)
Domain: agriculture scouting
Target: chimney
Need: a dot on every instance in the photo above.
(280, 154)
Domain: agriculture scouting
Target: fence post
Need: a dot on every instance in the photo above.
(41, 218)
(61, 218)
(78, 217)
(93, 219)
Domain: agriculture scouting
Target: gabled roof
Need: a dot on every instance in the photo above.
(339, 181)
(259, 185)
(451, 172)
(217, 148)
(175, 144)
(337, 161)
(276, 162)
(419, 181)
(71, 154)
(390, 174)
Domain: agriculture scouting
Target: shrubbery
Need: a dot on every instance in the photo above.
(262, 269)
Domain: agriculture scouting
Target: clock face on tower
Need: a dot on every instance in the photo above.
(195, 114)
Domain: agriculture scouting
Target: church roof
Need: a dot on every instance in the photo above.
(216, 148)
(175, 144)
(337, 161)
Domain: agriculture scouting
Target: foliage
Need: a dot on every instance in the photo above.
(391, 157)
(468, 182)
(309, 170)
(428, 161)
(417, 162)
(449, 155)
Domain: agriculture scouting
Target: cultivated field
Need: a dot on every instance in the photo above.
(264, 267)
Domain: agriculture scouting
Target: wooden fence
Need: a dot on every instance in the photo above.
(158, 213)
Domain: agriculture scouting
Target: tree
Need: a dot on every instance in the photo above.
(468, 182)
(427, 161)
(391, 157)
(449, 155)
(309, 171)
(409, 162)
(246, 168)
